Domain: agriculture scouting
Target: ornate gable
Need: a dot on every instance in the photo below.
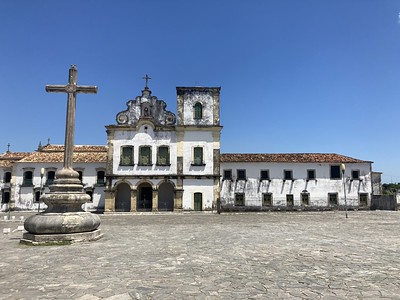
(146, 107)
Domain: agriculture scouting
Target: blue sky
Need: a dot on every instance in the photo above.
(296, 76)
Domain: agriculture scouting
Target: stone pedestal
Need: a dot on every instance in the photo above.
(63, 221)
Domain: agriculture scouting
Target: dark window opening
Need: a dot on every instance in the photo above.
(239, 199)
(264, 175)
(288, 175)
(7, 177)
(355, 174)
(227, 174)
(267, 199)
(289, 200)
(5, 197)
(37, 196)
(335, 172)
(310, 174)
(305, 199)
(241, 174)
(51, 175)
(101, 177)
(28, 178)
(333, 198)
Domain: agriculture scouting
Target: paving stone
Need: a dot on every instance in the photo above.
(205, 256)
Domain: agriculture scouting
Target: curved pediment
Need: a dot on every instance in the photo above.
(146, 107)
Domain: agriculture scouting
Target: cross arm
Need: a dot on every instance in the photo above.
(56, 88)
(86, 89)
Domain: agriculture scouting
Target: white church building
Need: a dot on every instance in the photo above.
(155, 160)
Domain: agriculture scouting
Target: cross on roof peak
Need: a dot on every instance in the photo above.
(8, 147)
(147, 81)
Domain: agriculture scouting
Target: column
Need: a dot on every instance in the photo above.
(109, 204)
(133, 200)
(155, 200)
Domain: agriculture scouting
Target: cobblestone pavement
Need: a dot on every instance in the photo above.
(304, 255)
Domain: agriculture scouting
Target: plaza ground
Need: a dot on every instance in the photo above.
(276, 255)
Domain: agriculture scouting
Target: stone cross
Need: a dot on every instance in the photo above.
(71, 89)
(147, 81)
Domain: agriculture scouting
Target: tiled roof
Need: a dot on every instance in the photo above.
(290, 158)
(77, 148)
(55, 153)
(7, 159)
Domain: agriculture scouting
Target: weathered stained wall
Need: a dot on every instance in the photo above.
(318, 189)
(23, 197)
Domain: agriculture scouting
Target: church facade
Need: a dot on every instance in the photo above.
(155, 160)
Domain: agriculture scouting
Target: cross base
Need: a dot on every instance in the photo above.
(60, 239)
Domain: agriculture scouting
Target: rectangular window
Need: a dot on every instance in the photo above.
(241, 174)
(239, 199)
(288, 174)
(51, 175)
(198, 156)
(5, 197)
(264, 175)
(333, 198)
(310, 174)
(145, 156)
(363, 199)
(163, 156)
(267, 199)
(305, 199)
(37, 196)
(227, 175)
(126, 156)
(335, 172)
(289, 200)
(355, 174)
(28, 178)
(101, 177)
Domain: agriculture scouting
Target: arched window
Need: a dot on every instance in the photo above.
(198, 111)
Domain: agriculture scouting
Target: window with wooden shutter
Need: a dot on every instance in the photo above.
(198, 111)
(198, 156)
(145, 156)
(163, 156)
(126, 156)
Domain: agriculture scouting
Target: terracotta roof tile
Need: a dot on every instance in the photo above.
(77, 148)
(55, 153)
(290, 158)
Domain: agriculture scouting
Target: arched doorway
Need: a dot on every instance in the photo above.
(123, 197)
(144, 200)
(166, 197)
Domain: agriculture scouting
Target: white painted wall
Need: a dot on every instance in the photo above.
(206, 101)
(318, 189)
(191, 186)
(24, 196)
(144, 137)
(194, 139)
